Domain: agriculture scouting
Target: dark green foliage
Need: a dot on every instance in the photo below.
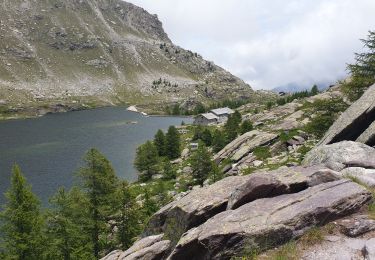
(326, 113)
(173, 143)
(320, 125)
(262, 153)
(232, 126)
(269, 105)
(216, 174)
(203, 134)
(246, 126)
(199, 109)
(287, 135)
(298, 95)
(21, 221)
(99, 184)
(201, 164)
(128, 217)
(176, 110)
(149, 205)
(314, 90)
(66, 220)
(218, 140)
(160, 142)
(169, 173)
(363, 70)
(146, 160)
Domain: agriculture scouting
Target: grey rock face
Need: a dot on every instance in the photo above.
(281, 181)
(356, 123)
(269, 222)
(369, 250)
(357, 226)
(339, 155)
(243, 145)
(365, 176)
(149, 248)
(193, 209)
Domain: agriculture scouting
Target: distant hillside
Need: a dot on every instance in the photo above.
(294, 87)
(99, 52)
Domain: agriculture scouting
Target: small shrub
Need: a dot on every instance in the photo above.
(262, 153)
(312, 237)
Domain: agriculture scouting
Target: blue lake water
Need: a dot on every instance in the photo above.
(49, 149)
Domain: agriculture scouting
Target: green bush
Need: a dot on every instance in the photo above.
(262, 153)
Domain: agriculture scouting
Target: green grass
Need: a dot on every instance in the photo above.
(262, 153)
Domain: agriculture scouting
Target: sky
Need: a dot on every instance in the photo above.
(270, 43)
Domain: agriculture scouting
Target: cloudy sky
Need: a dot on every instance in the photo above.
(270, 43)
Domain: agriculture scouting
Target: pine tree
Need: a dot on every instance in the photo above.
(21, 221)
(146, 161)
(149, 205)
(160, 143)
(314, 90)
(99, 183)
(128, 219)
(363, 70)
(218, 140)
(201, 164)
(207, 137)
(66, 219)
(232, 126)
(246, 126)
(173, 143)
(169, 173)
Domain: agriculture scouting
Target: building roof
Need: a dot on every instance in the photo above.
(222, 111)
(209, 116)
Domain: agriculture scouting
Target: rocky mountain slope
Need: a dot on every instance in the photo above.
(259, 210)
(97, 52)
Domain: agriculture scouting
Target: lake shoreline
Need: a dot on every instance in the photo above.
(24, 114)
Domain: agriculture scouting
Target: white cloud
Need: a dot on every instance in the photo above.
(269, 43)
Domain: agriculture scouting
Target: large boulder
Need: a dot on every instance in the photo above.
(266, 223)
(363, 175)
(281, 181)
(341, 155)
(355, 121)
(194, 209)
(243, 145)
(148, 248)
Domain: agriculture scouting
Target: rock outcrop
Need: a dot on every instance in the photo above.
(341, 155)
(269, 222)
(281, 181)
(149, 248)
(356, 123)
(194, 209)
(244, 144)
(264, 209)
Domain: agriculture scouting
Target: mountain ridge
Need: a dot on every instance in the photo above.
(101, 52)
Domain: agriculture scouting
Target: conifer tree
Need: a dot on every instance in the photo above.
(128, 218)
(314, 90)
(232, 126)
(146, 161)
(160, 142)
(66, 219)
(201, 164)
(21, 221)
(99, 183)
(173, 143)
(218, 140)
(246, 126)
(363, 70)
